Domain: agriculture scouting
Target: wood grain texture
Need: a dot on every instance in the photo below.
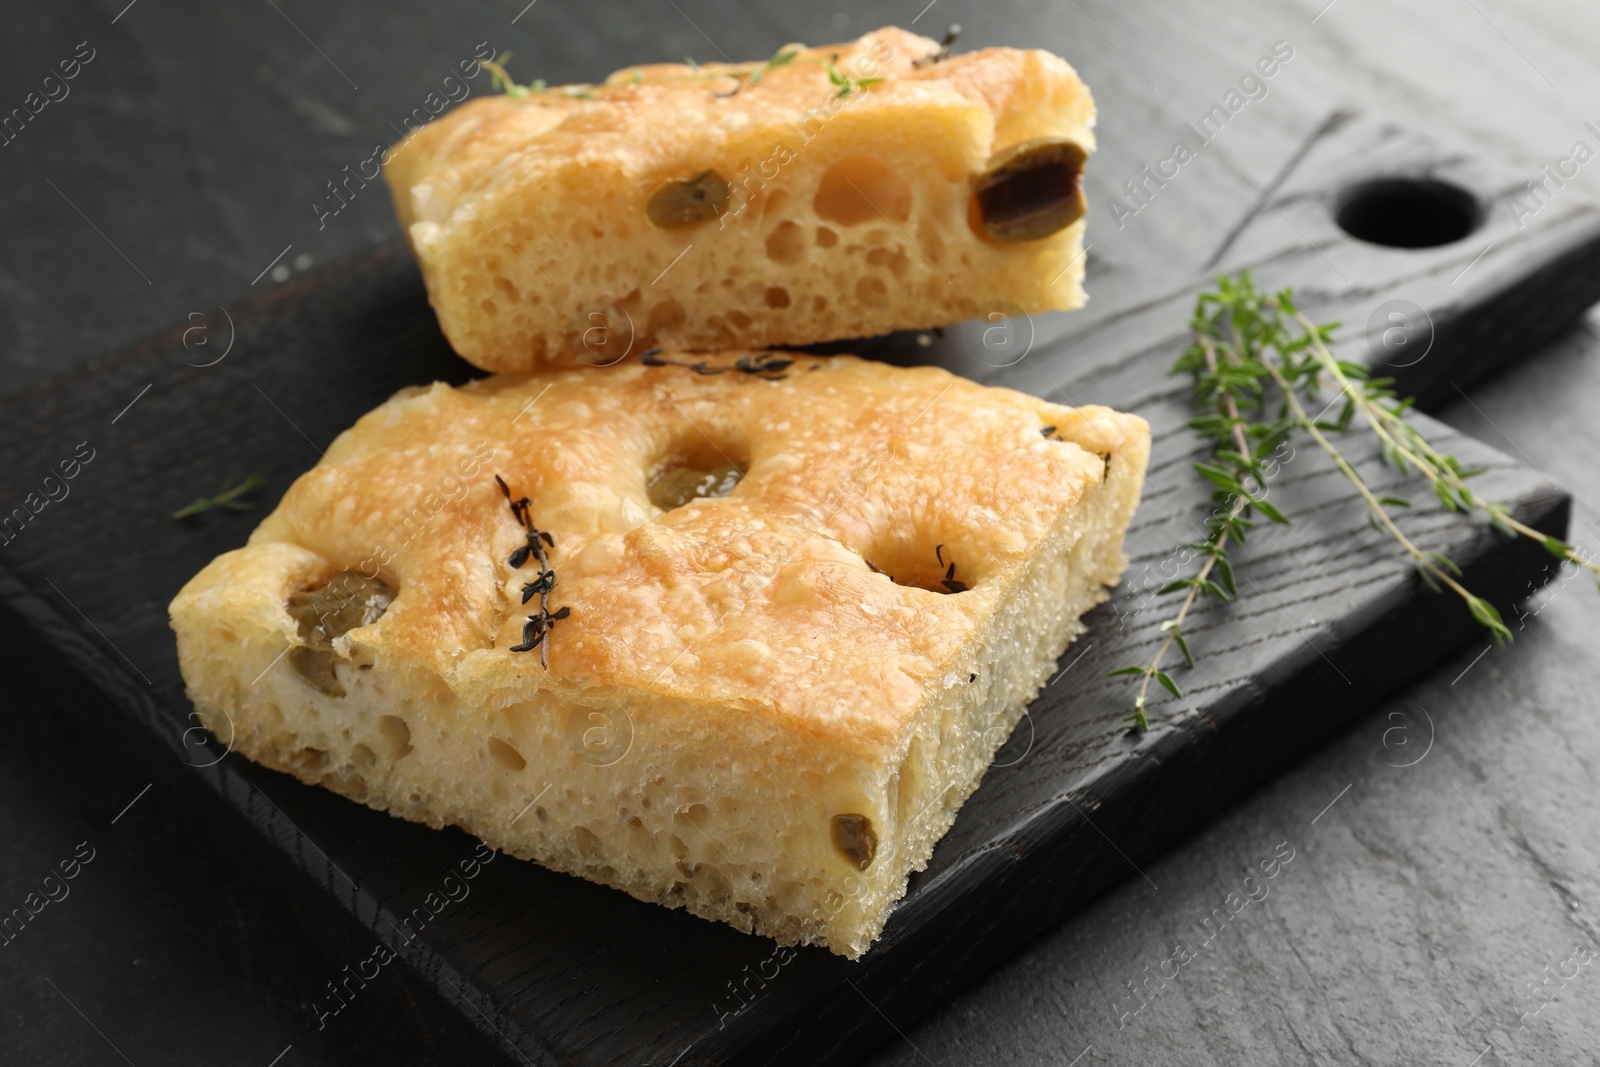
(1073, 805)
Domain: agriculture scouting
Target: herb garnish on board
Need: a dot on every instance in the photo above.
(232, 490)
(1259, 367)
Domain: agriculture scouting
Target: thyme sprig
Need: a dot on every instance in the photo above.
(768, 366)
(781, 58)
(1258, 366)
(746, 74)
(742, 75)
(537, 629)
(942, 53)
(845, 82)
(229, 498)
(502, 81)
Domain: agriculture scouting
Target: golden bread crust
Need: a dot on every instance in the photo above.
(665, 600)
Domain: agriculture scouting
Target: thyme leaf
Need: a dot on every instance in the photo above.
(503, 82)
(845, 82)
(780, 58)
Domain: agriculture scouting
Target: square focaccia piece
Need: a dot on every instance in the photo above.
(835, 192)
(735, 632)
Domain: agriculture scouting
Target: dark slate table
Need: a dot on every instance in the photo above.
(1441, 903)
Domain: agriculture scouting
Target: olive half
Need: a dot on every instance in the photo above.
(686, 201)
(855, 838)
(345, 602)
(676, 486)
(1032, 189)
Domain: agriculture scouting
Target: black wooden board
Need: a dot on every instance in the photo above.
(538, 967)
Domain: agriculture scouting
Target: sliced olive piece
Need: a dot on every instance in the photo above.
(686, 201)
(1032, 189)
(676, 486)
(345, 602)
(854, 837)
(316, 665)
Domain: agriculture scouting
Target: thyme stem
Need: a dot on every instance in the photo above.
(1219, 540)
(1248, 344)
(1421, 558)
(232, 490)
(1403, 441)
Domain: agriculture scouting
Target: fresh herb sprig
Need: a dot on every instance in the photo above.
(502, 81)
(781, 58)
(1259, 365)
(232, 490)
(749, 75)
(845, 82)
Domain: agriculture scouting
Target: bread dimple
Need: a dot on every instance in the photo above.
(848, 215)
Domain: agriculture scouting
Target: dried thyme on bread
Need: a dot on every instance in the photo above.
(1259, 367)
(537, 629)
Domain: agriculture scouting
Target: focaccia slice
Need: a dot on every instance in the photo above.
(834, 192)
(736, 632)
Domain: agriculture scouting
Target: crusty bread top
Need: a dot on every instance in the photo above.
(761, 601)
(658, 119)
